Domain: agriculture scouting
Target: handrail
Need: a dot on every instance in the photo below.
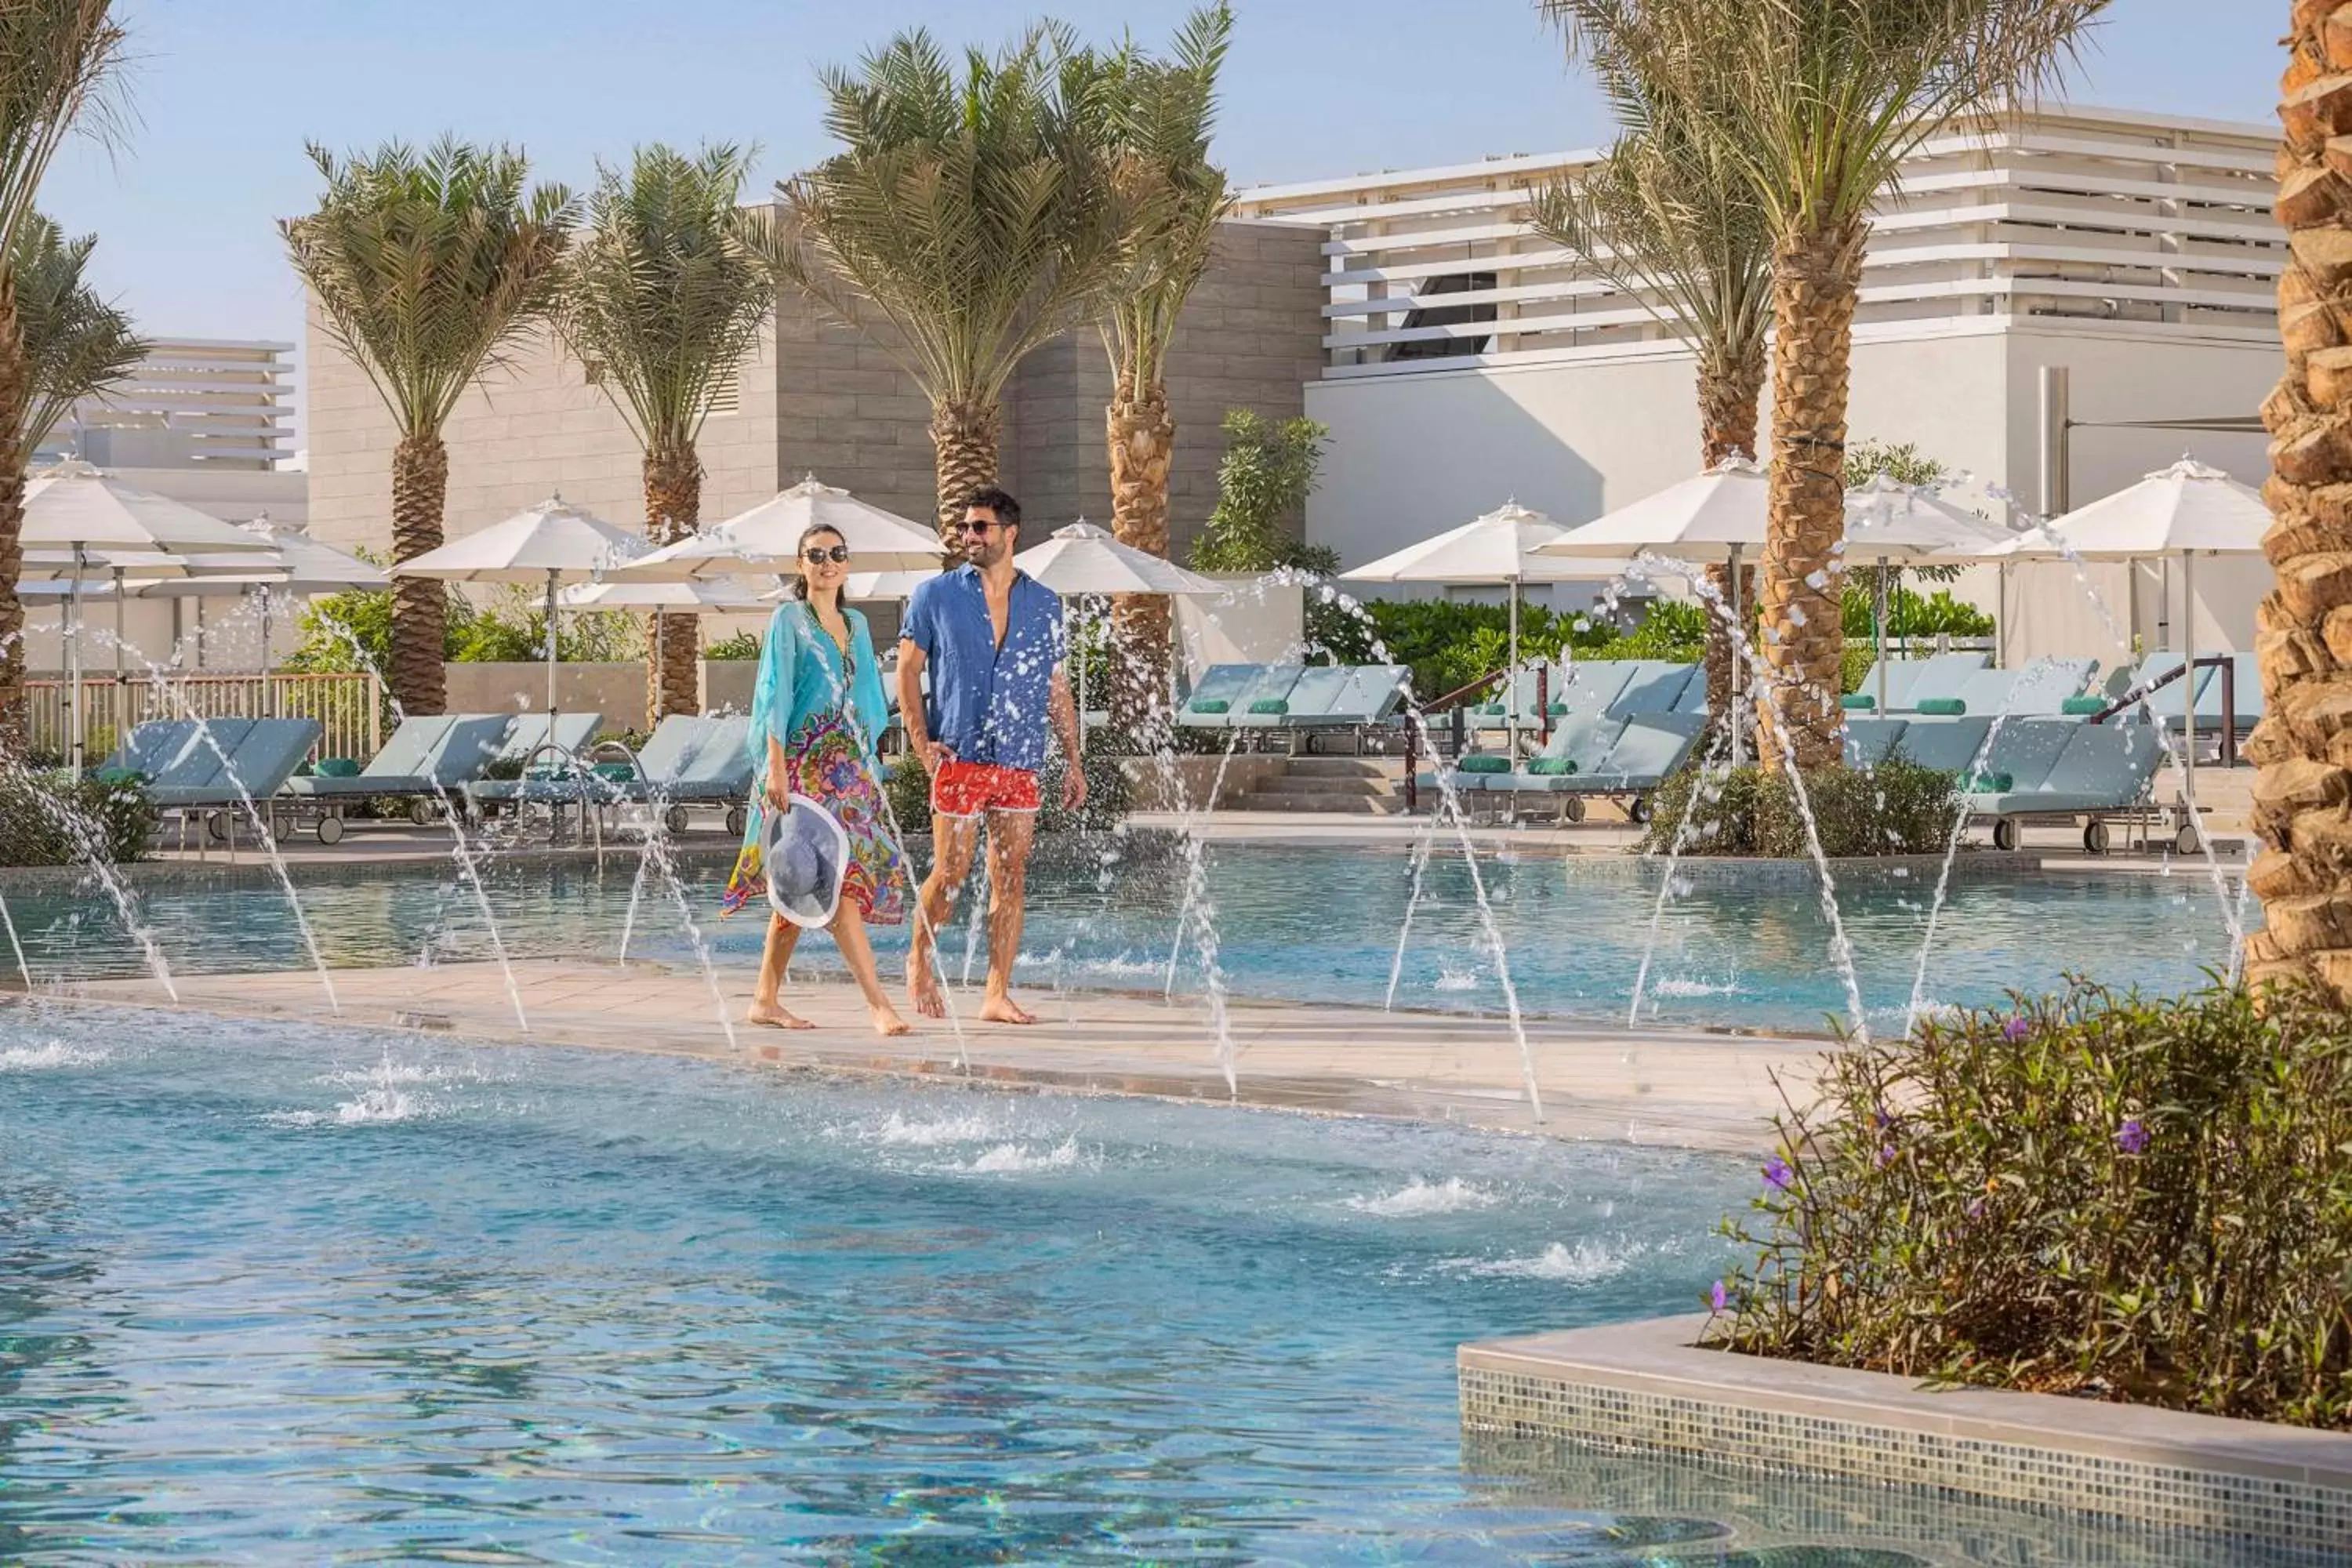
(2220, 661)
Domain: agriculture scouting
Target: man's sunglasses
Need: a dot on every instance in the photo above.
(980, 525)
(817, 554)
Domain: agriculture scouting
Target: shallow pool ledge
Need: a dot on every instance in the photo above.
(1642, 1387)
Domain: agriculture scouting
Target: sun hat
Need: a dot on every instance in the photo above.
(806, 853)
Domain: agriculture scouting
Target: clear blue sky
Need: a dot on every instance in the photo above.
(221, 97)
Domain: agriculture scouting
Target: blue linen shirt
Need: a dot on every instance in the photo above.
(988, 704)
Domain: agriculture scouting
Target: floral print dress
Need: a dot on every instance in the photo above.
(827, 710)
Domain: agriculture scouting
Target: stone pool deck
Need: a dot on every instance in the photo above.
(1689, 1088)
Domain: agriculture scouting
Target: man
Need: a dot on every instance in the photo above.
(993, 637)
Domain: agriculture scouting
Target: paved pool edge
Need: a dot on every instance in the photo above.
(1642, 1387)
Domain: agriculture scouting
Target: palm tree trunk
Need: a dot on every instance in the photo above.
(2303, 794)
(963, 437)
(1727, 406)
(1816, 277)
(15, 392)
(420, 493)
(672, 509)
(1142, 439)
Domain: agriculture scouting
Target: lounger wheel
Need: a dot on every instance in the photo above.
(674, 819)
(330, 830)
(217, 824)
(1638, 811)
(2095, 836)
(1573, 808)
(2186, 841)
(420, 812)
(2007, 834)
(736, 817)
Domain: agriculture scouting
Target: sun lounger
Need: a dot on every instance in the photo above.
(2064, 768)
(1217, 696)
(1652, 686)
(1266, 701)
(213, 767)
(1587, 688)
(425, 761)
(1941, 678)
(1694, 697)
(151, 748)
(2245, 697)
(1869, 742)
(1372, 695)
(1901, 673)
(2039, 689)
(1947, 745)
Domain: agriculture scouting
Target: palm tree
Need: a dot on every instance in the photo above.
(56, 57)
(1667, 220)
(1816, 102)
(664, 294)
(77, 345)
(965, 221)
(426, 269)
(2303, 875)
(1160, 114)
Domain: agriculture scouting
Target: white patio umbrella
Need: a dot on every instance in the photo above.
(767, 535)
(1888, 520)
(1082, 560)
(298, 566)
(1505, 548)
(863, 587)
(1715, 517)
(78, 508)
(548, 543)
(698, 596)
(2187, 510)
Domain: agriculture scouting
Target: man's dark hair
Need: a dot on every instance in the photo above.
(991, 498)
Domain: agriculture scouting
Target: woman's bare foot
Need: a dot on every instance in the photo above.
(1005, 1010)
(775, 1017)
(886, 1021)
(924, 989)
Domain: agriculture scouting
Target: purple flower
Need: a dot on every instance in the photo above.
(2131, 1137)
(1777, 1175)
(2015, 1030)
(1718, 1296)
(1976, 1209)
(1885, 1155)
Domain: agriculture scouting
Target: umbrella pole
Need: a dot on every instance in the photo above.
(1081, 675)
(2188, 688)
(553, 574)
(1879, 627)
(268, 691)
(1511, 681)
(117, 625)
(73, 663)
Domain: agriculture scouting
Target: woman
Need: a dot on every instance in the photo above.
(817, 713)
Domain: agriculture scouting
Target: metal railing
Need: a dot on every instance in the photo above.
(2229, 738)
(348, 707)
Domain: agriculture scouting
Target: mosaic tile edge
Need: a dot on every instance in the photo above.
(1586, 1387)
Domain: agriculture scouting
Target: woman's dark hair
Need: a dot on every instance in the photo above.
(799, 556)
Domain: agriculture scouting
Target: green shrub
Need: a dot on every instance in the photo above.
(2126, 1198)
(741, 646)
(1853, 668)
(49, 819)
(1894, 808)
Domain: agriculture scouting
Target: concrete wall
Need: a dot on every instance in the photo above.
(616, 690)
(824, 398)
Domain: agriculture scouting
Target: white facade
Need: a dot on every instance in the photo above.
(1470, 361)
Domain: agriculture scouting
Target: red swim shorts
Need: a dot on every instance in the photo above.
(967, 789)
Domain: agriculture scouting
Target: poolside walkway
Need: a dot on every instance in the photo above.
(1681, 1088)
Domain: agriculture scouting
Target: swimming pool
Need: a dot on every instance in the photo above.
(1740, 945)
(290, 1294)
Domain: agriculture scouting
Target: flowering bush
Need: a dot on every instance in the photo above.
(53, 819)
(2092, 1194)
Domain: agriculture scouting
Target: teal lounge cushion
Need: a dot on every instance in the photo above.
(1551, 766)
(1943, 707)
(112, 777)
(619, 773)
(1989, 783)
(1486, 763)
(543, 773)
(1490, 710)
(1557, 708)
(336, 768)
(1858, 702)
(2074, 706)
(1212, 705)
(1269, 705)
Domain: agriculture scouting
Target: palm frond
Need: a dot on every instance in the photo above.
(666, 289)
(77, 344)
(59, 59)
(967, 208)
(429, 268)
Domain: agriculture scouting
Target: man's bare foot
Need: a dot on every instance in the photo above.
(1005, 1010)
(775, 1017)
(886, 1021)
(924, 990)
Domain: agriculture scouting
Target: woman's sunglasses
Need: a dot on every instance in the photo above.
(817, 554)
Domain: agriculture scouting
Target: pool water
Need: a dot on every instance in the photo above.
(1741, 945)
(280, 1293)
